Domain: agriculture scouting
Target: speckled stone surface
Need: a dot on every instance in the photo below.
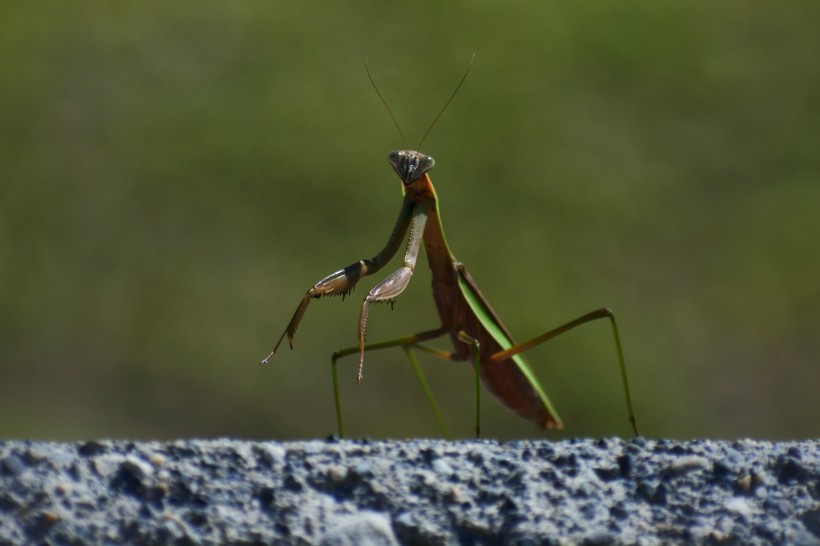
(411, 492)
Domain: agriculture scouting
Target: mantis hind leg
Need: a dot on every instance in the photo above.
(407, 343)
(603, 313)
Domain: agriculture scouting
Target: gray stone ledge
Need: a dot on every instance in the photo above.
(411, 492)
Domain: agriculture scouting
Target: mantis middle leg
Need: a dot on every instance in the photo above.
(407, 343)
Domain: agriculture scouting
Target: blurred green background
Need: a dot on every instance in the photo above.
(174, 176)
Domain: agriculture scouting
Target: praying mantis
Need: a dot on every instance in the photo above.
(476, 331)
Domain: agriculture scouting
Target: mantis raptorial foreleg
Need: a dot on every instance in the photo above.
(342, 282)
(391, 287)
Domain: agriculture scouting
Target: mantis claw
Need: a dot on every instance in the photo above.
(288, 332)
(266, 360)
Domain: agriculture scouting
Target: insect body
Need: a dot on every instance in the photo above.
(476, 331)
(477, 334)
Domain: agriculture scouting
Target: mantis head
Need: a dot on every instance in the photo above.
(410, 165)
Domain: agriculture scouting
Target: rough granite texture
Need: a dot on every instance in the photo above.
(410, 492)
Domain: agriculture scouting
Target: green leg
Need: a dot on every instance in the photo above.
(406, 342)
(462, 335)
(337, 400)
(604, 313)
(427, 392)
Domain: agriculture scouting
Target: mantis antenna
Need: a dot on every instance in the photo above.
(389, 111)
(435, 120)
(446, 104)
